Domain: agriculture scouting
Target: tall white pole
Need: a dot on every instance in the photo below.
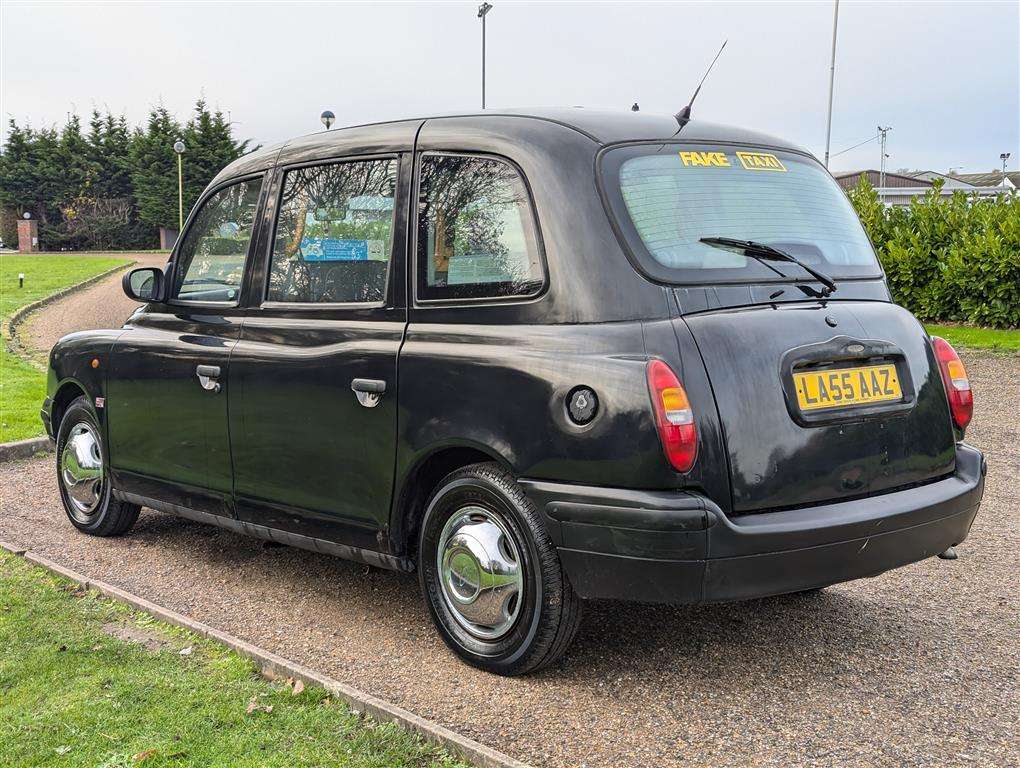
(832, 78)
(483, 9)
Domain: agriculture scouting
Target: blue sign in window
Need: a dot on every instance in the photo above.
(331, 249)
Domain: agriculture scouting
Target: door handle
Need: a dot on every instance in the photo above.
(369, 391)
(207, 375)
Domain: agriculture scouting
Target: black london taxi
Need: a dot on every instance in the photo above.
(539, 357)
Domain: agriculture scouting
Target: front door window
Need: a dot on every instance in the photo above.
(210, 261)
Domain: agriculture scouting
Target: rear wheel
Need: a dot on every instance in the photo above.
(491, 577)
(82, 475)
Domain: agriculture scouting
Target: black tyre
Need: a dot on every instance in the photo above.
(83, 475)
(491, 577)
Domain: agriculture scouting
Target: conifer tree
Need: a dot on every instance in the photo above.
(154, 169)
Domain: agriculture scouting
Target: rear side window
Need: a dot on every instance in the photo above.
(476, 232)
(334, 233)
(210, 261)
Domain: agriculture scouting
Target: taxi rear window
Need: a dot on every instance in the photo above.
(666, 197)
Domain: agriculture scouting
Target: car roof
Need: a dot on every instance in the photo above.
(602, 127)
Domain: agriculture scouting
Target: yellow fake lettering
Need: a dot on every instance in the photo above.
(705, 159)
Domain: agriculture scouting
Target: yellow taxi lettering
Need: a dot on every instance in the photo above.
(760, 161)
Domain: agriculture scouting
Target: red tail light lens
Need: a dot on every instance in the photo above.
(954, 377)
(673, 416)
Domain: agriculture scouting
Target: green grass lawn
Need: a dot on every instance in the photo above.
(964, 336)
(22, 386)
(85, 681)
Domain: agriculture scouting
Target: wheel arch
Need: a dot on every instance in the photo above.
(416, 485)
(67, 392)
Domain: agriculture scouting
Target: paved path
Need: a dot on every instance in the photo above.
(102, 305)
(918, 667)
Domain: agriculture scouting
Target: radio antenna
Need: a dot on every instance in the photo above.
(684, 115)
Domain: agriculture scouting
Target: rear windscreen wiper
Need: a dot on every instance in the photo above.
(765, 253)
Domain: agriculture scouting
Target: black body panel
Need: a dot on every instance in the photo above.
(167, 434)
(71, 373)
(315, 463)
(781, 458)
(487, 389)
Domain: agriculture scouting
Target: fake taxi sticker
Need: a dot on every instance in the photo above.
(749, 161)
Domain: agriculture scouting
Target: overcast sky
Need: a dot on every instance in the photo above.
(945, 76)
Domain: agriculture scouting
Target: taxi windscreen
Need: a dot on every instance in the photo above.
(667, 197)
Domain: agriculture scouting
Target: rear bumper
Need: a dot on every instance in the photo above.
(679, 547)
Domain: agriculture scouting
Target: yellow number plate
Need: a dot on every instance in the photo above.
(843, 387)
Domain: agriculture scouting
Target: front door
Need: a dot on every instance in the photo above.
(166, 397)
(313, 405)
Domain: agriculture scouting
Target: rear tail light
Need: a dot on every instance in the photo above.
(673, 416)
(954, 377)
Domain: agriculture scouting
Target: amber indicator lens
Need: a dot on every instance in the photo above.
(954, 378)
(674, 417)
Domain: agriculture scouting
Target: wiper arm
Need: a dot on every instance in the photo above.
(765, 253)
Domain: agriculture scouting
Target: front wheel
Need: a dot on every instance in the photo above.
(491, 577)
(82, 475)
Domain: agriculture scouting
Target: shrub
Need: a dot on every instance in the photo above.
(949, 259)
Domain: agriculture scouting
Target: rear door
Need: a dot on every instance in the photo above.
(314, 375)
(167, 397)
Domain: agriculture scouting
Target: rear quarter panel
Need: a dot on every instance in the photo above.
(504, 389)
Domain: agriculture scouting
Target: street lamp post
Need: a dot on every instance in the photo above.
(483, 9)
(1004, 157)
(179, 149)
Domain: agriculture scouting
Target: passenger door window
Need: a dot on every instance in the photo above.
(210, 261)
(334, 234)
(476, 232)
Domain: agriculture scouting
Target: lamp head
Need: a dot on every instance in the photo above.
(483, 9)
(327, 118)
(179, 146)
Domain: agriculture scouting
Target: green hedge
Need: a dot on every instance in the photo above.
(949, 259)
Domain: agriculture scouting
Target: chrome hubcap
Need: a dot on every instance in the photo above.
(81, 471)
(481, 573)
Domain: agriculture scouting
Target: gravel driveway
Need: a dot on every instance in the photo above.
(916, 667)
(103, 305)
